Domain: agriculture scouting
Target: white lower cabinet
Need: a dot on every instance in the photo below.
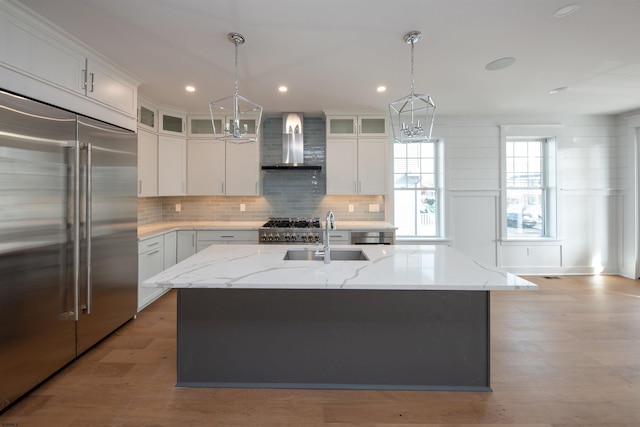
(186, 244)
(150, 263)
(207, 238)
(170, 249)
(340, 237)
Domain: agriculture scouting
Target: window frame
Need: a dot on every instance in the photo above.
(548, 134)
(438, 188)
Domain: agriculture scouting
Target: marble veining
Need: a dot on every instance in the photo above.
(399, 267)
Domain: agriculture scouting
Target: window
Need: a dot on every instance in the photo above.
(416, 189)
(529, 191)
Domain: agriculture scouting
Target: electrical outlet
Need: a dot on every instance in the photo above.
(178, 207)
(242, 207)
(374, 207)
(350, 208)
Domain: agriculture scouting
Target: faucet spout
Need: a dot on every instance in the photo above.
(330, 224)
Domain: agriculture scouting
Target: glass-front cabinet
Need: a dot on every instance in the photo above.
(201, 126)
(339, 126)
(172, 123)
(147, 117)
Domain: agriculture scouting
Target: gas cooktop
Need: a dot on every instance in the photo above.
(291, 230)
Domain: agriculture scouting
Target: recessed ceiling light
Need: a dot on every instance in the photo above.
(283, 89)
(381, 88)
(566, 10)
(558, 89)
(190, 89)
(499, 64)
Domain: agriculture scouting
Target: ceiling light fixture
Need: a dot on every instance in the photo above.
(190, 89)
(501, 63)
(283, 89)
(558, 90)
(238, 110)
(381, 89)
(412, 116)
(566, 10)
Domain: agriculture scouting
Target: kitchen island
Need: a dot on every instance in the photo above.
(408, 317)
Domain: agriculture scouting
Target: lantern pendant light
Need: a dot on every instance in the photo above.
(412, 116)
(239, 113)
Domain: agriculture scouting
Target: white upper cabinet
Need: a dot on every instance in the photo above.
(202, 126)
(172, 122)
(103, 84)
(172, 166)
(205, 167)
(39, 60)
(147, 164)
(340, 126)
(356, 166)
(356, 154)
(243, 169)
(147, 116)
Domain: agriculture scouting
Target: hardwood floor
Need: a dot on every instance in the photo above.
(566, 355)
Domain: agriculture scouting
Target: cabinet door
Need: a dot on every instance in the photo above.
(172, 123)
(147, 164)
(172, 164)
(372, 126)
(39, 55)
(341, 126)
(372, 155)
(170, 247)
(147, 117)
(201, 126)
(150, 263)
(205, 167)
(242, 169)
(342, 166)
(105, 86)
(186, 244)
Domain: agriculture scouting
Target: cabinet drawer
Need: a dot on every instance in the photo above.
(150, 244)
(340, 237)
(248, 236)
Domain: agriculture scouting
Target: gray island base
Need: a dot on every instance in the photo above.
(334, 339)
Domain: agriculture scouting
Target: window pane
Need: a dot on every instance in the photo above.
(525, 212)
(415, 212)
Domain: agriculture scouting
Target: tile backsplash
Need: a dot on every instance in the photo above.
(292, 193)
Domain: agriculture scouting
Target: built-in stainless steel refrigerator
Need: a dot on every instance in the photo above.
(68, 239)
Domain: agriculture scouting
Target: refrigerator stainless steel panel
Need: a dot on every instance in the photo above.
(37, 328)
(68, 238)
(108, 228)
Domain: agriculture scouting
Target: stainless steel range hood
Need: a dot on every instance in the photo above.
(292, 145)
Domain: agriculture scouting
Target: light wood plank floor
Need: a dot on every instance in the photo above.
(567, 355)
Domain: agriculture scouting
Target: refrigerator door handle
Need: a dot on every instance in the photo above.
(76, 232)
(88, 223)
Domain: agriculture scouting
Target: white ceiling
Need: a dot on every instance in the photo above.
(332, 54)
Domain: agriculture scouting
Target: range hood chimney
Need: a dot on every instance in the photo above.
(292, 145)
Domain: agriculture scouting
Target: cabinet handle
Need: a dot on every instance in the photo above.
(228, 237)
(91, 85)
(222, 187)
(153, 252)
(139, 186)
(153, 244)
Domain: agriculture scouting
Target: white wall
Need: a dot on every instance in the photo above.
(593, 181)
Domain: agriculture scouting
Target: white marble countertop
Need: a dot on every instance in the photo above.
(152, 230)
(410, 267)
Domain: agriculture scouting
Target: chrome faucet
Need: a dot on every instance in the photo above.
(330, 224)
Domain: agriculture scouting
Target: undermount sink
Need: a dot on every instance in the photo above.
(336, 255)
